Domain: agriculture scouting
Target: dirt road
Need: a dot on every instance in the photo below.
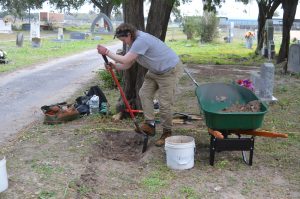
(23, 92)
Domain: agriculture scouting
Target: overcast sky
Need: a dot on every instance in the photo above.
(231, 9)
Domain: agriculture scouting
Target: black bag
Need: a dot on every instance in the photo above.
(82, 105)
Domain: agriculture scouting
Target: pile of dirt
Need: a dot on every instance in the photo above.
(252, 106)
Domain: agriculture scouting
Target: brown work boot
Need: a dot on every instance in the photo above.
(161, 140)
(149, 129)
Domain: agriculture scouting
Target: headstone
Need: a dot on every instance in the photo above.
(35, 30)
(268, 49)
(271, 50)
(294, 58)
(36, 42)
(249, 43)
(5, 27)
(255, 79)
(20, 39)
(97, 38)
(269, 29)
(60, 34)
(77, 35)
(267, 71)
(35, 36)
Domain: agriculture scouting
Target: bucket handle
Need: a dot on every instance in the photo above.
(183, 161)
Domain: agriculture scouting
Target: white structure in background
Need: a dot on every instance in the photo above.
(35, 30)
(5, 27)
(35, 34)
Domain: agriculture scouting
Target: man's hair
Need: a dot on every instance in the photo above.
(123, 29)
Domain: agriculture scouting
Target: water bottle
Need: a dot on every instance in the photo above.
(94, 104)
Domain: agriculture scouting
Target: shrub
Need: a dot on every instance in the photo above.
(107, 79)
(208, 27)
(190, 25)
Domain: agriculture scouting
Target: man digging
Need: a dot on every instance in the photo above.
(164, 69)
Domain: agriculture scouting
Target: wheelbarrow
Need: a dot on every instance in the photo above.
(213, 99)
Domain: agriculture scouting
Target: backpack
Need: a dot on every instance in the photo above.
(82, 102)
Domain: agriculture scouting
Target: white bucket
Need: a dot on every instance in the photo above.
(180, 152)
(3, 175)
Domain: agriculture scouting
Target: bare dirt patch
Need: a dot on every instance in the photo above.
(119, 146)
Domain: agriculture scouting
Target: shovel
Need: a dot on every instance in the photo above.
(145, 141)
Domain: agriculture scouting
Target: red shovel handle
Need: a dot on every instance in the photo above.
(120, 88)
(145, 142)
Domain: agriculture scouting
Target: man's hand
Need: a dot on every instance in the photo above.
(102, 50)
(110, 65)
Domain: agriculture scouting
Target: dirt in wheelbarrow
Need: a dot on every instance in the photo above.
(95, 157)
(252, 106)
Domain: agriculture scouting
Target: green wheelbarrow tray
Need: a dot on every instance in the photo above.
(214, 97)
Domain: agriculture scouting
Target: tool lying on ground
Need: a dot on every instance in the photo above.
(145, 141)
(184, 118)
(222, 124)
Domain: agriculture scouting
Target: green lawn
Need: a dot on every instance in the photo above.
(219, 53)
(20, 57)
(191, 51)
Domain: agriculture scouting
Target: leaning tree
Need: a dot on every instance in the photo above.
(289, 12)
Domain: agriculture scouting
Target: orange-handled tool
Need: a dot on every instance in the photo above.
(145, 142)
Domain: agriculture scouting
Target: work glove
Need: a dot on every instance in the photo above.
(102, 50)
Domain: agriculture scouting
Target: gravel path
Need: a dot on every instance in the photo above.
(23, 92)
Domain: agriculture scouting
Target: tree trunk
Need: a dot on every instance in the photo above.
(158, 17)
(266, 11)
(260, 32)
(289, 12)
(133, 78)
(157, 25)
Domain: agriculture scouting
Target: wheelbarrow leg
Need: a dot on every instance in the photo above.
(249, 162)
(212, 150)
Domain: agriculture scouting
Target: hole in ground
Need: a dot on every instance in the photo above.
(120, 146)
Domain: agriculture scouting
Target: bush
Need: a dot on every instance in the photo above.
(107, 79)
(190, 25)
(208, 27)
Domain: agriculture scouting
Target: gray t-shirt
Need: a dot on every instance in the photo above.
(153, 54)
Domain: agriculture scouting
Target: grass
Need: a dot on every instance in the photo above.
(191, 51)
(21, 57)
(218, 53)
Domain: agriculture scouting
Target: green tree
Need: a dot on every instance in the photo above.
(19, 8)
(190, 24)
(208, 27)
